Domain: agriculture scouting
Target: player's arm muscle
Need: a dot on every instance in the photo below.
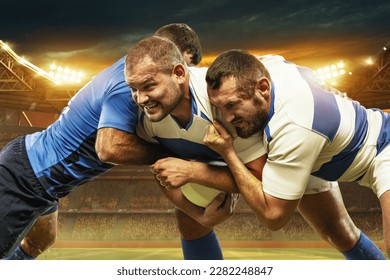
(221, 178)
(273, 212)
(119, 147)
(175, 172)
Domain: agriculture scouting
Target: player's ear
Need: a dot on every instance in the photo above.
(263, 85)
(179, 71)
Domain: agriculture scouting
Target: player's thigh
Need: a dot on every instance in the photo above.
(188, 227)
(385, 205)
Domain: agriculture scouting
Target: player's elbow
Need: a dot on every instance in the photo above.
(275, 224)
(106, 153)
(273, 220)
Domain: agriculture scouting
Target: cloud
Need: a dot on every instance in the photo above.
(98, 32)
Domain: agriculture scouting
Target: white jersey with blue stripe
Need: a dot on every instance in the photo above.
(63, 156)
(187, 142)
(313, 131)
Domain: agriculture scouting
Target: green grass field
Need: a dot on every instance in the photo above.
(176, 254)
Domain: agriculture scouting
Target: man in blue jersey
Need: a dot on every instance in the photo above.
(306, 130)
(93, 133)
(176, 112)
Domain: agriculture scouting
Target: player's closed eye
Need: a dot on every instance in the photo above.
(149, 87)
(231, 104)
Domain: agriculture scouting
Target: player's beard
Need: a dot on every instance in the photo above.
(255, 121)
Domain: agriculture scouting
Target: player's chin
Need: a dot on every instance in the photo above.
(246, 131)
(154, 115)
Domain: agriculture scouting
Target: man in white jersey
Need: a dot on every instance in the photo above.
(306, 130)
(176, 113)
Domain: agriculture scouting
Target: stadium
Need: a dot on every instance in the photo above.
(124, 215)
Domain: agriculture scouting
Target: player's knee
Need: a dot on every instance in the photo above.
(34, 246)
(190, 229)
(41, 236)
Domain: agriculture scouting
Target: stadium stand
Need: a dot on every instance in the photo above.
(133, 208)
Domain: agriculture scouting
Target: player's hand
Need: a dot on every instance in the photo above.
(218, 138)
(172, 173)
(221, 208)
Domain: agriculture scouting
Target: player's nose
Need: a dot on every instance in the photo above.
(142, 98)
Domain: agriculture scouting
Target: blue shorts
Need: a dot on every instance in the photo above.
(22, 198)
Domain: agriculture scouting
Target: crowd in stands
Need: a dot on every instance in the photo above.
(124, 210)
(94, 228)
(150, 227)
(162, 226)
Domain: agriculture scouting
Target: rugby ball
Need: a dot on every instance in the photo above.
(198, 194)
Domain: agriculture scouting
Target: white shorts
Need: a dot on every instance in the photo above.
(318, 185)
(377, 176)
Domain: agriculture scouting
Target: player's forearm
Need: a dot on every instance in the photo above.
(251, 190)
(182, 203)
(217, 177)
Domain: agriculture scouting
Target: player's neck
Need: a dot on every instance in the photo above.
(183, 110)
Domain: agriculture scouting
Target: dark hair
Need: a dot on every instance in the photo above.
(163, 52)
(243, 66)
(184, 37)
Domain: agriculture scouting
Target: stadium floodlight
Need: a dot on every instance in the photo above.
(330, 73)
(65, 74)
(5, 46)
(57, 74)
(369, 61)
(24, 61)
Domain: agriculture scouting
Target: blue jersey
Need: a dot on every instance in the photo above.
(63, 156)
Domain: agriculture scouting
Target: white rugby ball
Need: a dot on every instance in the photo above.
(198, 194)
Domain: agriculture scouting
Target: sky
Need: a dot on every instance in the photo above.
(92, 35)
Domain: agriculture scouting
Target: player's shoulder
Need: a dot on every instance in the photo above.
(114, 73)
(271, 59)
(198, 76)
(111, 81)
(199, 87)
(198, 71)
(274, 63)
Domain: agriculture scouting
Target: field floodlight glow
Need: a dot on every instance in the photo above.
(331, 73)
(369, 61)
(25, 62)
(65, 74)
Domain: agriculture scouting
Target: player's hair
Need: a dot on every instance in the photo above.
(185, 39)
(239, 64)
(162, 52)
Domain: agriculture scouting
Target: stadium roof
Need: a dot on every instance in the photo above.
(26, 87)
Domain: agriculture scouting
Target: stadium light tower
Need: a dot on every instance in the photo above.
(65, 74)
(330, 73)
(24, 61)
(369, 61)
